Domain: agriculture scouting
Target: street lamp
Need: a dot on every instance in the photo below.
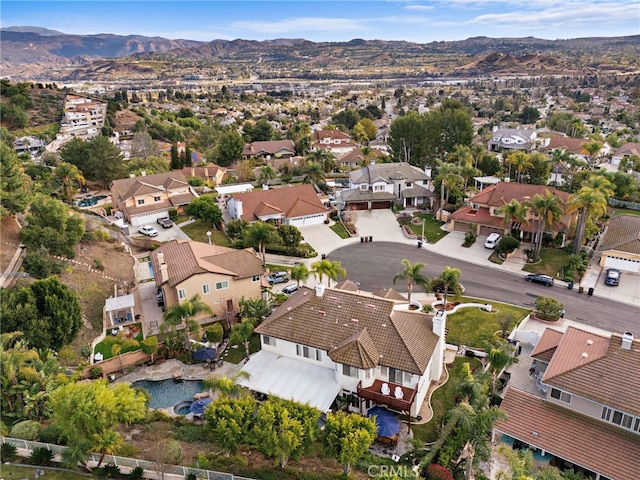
(422, 230)
(209, 237)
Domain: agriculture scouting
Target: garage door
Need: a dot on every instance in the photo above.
(490, 230)
(622, 264)
(461, 226)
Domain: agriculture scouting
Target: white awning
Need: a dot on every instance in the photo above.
(119, 303)
(291, 379)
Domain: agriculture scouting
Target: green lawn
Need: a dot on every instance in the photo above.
(104, 347)
(198, 231)
(340, 230)
(442, 400)
(236, 354)
(432, 230)
(626, 211)
(470, 326)
(17, 472)
(552, 261)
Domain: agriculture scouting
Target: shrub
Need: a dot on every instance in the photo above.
(137, 473)
(215, 332)
(173, 214)
(40, 456)
(4, 430)
(98, 264)
(469, 237)
(548, 308)
(26, 430)
(109, 471)
(40, 266)
(437, 472)
(53, 434)
(470, 353)
(95, 372)
(8, 452)
(507, 244)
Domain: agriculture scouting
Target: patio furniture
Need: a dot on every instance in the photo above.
(98, 357)
(385, 390)
(398, 393)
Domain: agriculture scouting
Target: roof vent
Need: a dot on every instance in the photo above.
(322, 312)
(319, 290)
(371, 305)
(354, 320)
(589, 342)
(585, 355)
(627, 340)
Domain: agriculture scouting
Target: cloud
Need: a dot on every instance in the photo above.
(302, 24)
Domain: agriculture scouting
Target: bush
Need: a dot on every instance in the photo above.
(53, 434)
(507, 244)
(137, 473)
(40, 456)
(26, 430)
(215, 332)
(95, 372)
(548, 308)
(437, 472)
(40, 266)
(108, 471)
(469, 237)
(8, 452)
(470, 353)
(4, 430)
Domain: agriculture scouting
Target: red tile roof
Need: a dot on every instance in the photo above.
(546, 346)
(292, 202)
(270, 147)
(584, 441)
(500, 194)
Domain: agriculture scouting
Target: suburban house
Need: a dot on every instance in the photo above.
(213, 174)
(297, 205)
(327, 342)
(379, 185)
(268, 149)
(355, 159)
(142, 200)
(82, 117)
(30, 145)
(619, 246)
(574, 146)
(485, 215)
(512, 139)
(626, 150)
(220, 275)
(336, 141)
(586, 415)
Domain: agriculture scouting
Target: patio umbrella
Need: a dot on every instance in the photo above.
(198, 407)
(204, 353)
(387, 423)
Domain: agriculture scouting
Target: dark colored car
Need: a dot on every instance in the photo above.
(540, 278)
(289, 289)
(613, 277)
(165, 222)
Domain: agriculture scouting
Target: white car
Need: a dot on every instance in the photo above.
(147, 230)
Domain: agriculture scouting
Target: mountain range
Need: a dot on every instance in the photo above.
(32, 53)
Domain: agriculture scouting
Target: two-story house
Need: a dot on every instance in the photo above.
(379, 185)
(142, 200)
(325, 342)
(589, 417)
(269, 149)
(512, 139)
(336, 141)
(211, 173)
(484, 212)
(297, 205)
(30, 145)
(575, 147)
(220, 275)
(356, 159)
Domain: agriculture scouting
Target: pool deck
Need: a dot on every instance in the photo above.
(176, 369)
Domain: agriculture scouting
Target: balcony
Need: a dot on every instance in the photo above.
(374, 393)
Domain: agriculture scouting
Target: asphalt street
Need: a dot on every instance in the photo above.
(375, 264)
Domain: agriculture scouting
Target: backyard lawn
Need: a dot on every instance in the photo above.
(235, 354)
(432, 230)
(17, 472)
(471, 326)
(552, 261)
(442, 400)
(104, 347)
(197, 231)
(627, 212)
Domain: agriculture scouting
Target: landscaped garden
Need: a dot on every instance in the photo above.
(432, 230)
(128, 344)
(552, 262)
(197, 231)
(340, 230)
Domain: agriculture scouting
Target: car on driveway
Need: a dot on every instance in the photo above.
(278, 277)
(165, 222)
(613, 277)
(148, 231)
(289, 289)
(540, 278)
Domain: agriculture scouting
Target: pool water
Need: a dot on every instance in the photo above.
(167, 393)
(183, 410)
(100, 197)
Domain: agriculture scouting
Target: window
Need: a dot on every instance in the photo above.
(182, 293)
(349, 371)
(308, 352)
(156, 198)
(407, 378)
(378, 188)
(364, 186)
(222, 285)
(205, 289)
(141, 201)
(620, 418)
(560, 395)
(256, 278)
(268, 341)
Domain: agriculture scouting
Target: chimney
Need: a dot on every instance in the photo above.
(440, 329)
(143, 173)
(627, 340)
(427, 171)
(319, 290)
(161, 258)
(164, 273)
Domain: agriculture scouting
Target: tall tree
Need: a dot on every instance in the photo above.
(229, 421)
(229, 148)
(175, 157)
(183, 315)
(15, 185)
(143, 146)
(521, 161)
(266, 173)
(241, 334)
(313, 173)
(413, 275)
(258, 235)
(450, 281)
(515, 214)
(300, 273)
(206, 208)
(322, 157)
(548, 210)
(332, 270)
(593, 150)
(589, 201)
(69, 178)
(347, 437)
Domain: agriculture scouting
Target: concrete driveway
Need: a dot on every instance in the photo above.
(164, 234)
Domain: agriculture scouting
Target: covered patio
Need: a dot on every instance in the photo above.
(390, 394)
(291, 379)
(119, 310)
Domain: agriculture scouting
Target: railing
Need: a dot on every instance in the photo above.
(149, 467)
(621, 203)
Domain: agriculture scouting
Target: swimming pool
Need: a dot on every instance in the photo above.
(167, 393)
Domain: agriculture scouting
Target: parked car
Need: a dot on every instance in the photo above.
(165, 222)
(148, 230)
(278, 277)
(492, 240)
(540, 278)
(613, 277)
(289, 289)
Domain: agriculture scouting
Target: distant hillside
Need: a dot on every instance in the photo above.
(32, 55)
(39, 30)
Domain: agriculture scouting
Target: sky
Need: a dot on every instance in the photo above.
(332, 20)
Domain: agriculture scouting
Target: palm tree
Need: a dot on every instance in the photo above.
(588, 201)
(107, 443)
(300, 273)
(332, 270)
(322, 157)
(449, 279)
(548, 211)
(266, 173)
(259, 234)
(76, 453)
(500, 357)
(413, 275)
(515, 213)
(120, 343)
(70, 178)
(241, 334)
(255, 309)
(448, 177)
(313, 173)
(592, 148)
(521, 161)
(227, 386)
(182, 315)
